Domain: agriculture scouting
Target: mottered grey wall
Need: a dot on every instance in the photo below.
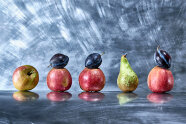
(31, 32)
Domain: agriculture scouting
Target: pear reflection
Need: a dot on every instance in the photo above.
(126, 97)
(24, 96)
(159, 98)
(91, 96)
(59, 96)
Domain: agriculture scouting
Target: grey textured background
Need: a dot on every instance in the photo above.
(32, 31)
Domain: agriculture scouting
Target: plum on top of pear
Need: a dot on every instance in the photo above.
(93, 61)
(59, 61)
(162, 58)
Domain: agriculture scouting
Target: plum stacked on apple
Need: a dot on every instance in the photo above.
(92, 78)
(59, 78)
(160, 78)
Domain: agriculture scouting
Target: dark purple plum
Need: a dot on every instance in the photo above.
(93, 61)
(162, 58)
(59, 61)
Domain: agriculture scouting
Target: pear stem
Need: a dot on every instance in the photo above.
(125, 55)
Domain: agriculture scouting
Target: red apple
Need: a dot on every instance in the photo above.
(25, 77)
(92, 79)
(59, 96)
(24, 96)
(91, 96)
(160, 80)
(59, 79)
(159, 98)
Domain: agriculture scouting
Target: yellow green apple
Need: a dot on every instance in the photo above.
(25, 77)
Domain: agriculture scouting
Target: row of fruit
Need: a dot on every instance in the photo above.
(92, 79)
(24, 96)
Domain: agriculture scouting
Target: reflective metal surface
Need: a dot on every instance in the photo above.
(93, 108)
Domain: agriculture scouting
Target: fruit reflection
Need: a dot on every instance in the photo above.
(59, 96)
(126, 97)
(91, 96)
(159, 98)
(23, 96)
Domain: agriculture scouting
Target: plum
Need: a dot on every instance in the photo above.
(93, 61)
(59, 61)
(162, 58)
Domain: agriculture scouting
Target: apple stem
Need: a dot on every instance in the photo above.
(31, 72)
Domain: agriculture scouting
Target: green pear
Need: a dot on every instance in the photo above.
(127, 79)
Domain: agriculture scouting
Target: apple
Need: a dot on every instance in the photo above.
(92, 79)
(159, 98)
(24, 96)
(160, 80)
(59, 79)
(59, 96)
(91, 96)
(25, 77)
